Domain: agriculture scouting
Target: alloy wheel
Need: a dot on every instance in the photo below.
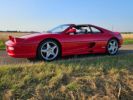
(112, 47)
(49, 50)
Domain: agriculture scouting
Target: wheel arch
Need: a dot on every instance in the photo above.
(115, 39)
(53, 39)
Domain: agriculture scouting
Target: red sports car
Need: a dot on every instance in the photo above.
(64, 40)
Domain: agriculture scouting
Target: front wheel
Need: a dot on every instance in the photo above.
(112, 47)
(49, 50)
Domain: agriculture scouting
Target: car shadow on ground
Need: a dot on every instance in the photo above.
(9, 60)
(121, 52)
(124, 52)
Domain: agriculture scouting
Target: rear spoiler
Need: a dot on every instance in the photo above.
(15, 39)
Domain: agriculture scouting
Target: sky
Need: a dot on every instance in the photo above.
(41, 15)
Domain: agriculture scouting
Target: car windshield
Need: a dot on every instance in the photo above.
(59, 29)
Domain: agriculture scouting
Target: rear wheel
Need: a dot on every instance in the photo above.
(112, 47)
(49, 50)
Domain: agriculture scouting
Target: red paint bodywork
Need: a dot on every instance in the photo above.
(26, 46)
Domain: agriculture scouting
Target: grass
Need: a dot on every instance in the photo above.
(128, 38)
(128, 41)
(106, 77)
(2, 45)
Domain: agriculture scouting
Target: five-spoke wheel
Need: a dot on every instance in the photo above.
(112, 47)
(49, 50)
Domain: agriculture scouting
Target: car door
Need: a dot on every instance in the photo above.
(82, 43)
(76, 43)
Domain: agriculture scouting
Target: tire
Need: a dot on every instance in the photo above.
(49, 50)
(112, 47)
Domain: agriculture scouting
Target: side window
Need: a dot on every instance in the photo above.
(83, 30)
(87, 29)
(95, 30)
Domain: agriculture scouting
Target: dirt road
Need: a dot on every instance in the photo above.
(5, 59)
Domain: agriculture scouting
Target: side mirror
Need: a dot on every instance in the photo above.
(71, 31)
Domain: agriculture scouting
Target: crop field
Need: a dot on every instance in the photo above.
(127, 36)
(89, 77)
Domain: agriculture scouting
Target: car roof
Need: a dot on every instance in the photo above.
(84, 25)
(80, 25)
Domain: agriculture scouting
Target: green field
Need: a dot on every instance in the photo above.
(2, 45)
(128, 41)
(104, 77)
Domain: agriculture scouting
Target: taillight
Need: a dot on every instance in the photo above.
(12, 39)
